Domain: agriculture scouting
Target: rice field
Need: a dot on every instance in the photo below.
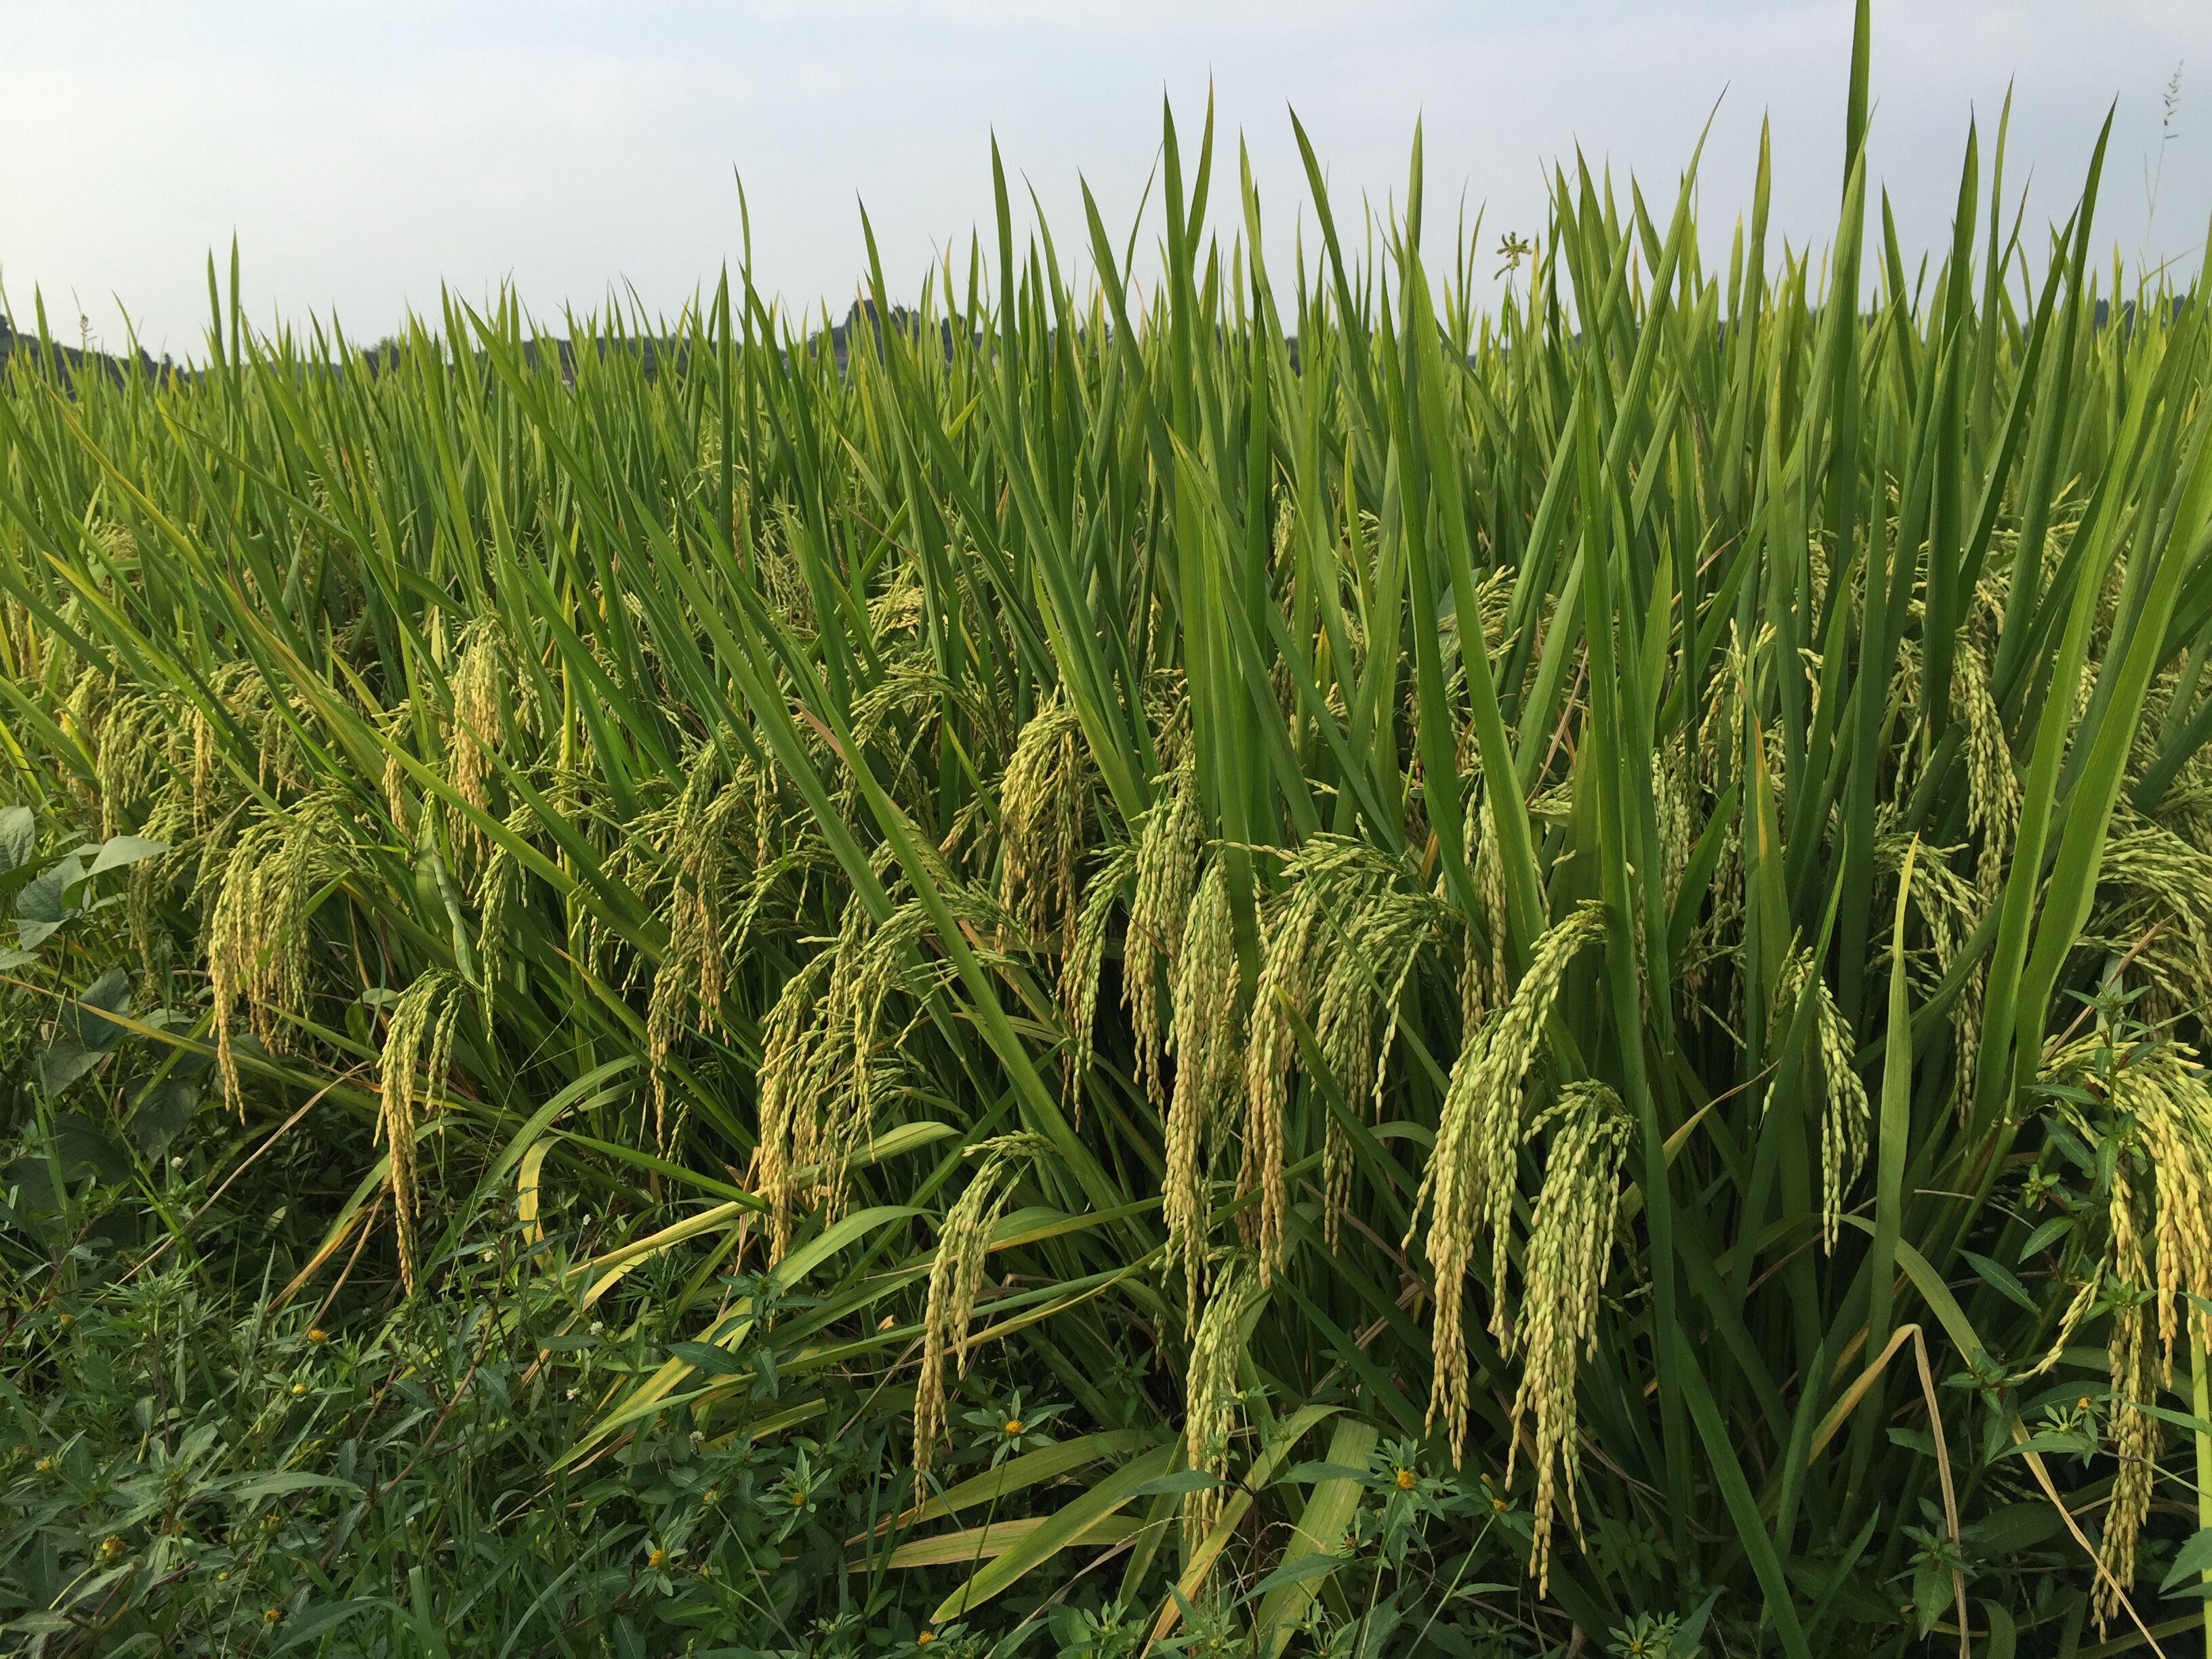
(1232, 956)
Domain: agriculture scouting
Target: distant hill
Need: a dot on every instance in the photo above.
(860, 323)
(74, 360)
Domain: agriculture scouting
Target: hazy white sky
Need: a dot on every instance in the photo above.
(364, 153)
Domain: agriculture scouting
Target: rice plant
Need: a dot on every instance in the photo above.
(1364, 974)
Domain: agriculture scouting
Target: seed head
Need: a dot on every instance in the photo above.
(1206, 1038)
(418, 1045)
(1569, 1239)
(259, 935)
(1167, 874)
(956, 1279)
(1044, 801)
(1210, 1397)
(1993, 793)
(1081, 968)
(703, 849)
(1847, 1113)
(486, 691)
(1469, 1185)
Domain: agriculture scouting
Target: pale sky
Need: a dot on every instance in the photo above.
(363, 153)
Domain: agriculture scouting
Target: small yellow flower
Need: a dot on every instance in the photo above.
(65, 1320)
(272, 1521)
(924, 1638)
(273, 1616)
(2083, 1404)
(655, 1556)
(798, 1498)
(1013, 1425)
(1499, 1505)
(223, 1576)
(1406, 1479)
(46, 1466)
(111, 1547)
(299, 1391)
(317, 1333)
(709, 1495)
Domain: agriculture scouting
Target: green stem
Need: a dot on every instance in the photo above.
(2200, 1406)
